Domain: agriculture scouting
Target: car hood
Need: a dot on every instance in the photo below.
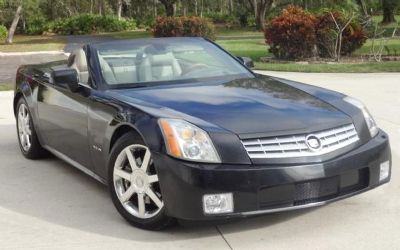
(246, 107)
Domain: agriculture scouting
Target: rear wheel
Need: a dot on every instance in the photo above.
(134, 186)
(27, 138)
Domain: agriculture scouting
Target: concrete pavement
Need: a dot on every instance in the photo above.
(47, 204)
(9, 63)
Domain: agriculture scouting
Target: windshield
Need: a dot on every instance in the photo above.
(165, 60)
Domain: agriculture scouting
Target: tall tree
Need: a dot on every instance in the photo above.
(363, 8)
(14, 25)
(169, 6)
(261, 7)
(119, 9)
(389, 7)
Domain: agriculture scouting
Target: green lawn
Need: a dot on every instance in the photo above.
(128, 34)
(6, 86)
(332, 68)
(24, 43)
(378, 19)
(393, 46)
(223, 33)
(253, 48)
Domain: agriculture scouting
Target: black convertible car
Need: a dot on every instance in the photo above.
(179, 128)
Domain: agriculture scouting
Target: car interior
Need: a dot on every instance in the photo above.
(145, 66)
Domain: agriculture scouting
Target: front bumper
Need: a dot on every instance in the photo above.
(261, 189)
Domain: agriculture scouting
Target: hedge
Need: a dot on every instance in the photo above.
(296, 34)
(183, 26)
(89, 24)
(292, 34)
(3, 32)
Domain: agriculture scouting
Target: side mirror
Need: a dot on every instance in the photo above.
(246, 61)
(66, 77)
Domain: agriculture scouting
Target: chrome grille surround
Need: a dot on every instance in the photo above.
(296, 146)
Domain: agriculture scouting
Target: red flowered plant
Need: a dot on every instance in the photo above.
(183, 26)
(292, 34)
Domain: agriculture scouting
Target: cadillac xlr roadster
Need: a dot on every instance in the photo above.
(180, 128)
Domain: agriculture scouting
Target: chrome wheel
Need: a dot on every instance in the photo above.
(24, 127)
(136, 182)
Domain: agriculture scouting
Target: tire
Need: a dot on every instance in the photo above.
(26, 133)
(133, 184)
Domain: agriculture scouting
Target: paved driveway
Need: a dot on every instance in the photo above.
(9, 62)
(48, 204)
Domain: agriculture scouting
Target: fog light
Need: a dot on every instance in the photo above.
(384, 171)
(218, 203)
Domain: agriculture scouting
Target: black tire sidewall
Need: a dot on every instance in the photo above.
(158, 222)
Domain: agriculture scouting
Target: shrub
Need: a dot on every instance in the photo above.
(145, 22)
(354, 36)
(3, 32)
(291, 35)
(227, 20)
(36, 25)
(89, 23)
(183, 26)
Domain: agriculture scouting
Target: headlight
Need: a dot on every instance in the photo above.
(373, 128)
(186, 141)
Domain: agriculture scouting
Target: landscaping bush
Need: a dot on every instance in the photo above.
(183, 26)
(291, 35)
(89, 23)
(145, 22)
(3, 32)
(354, 36)
(36, 25)
(227, 20)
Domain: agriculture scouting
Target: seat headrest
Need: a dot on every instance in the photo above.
(80, 61)
(167, 58)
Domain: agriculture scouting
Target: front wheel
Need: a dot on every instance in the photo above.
(134, 186)
(27, 138)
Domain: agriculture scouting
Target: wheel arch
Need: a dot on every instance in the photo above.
(17, 96)
(122, 130)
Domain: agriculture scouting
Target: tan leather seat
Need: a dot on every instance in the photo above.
(107, 71)
(78, 61)
(159, 67)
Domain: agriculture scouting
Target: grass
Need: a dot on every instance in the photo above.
(254, 48)
(128, 34)
(393, 46)
(6, 86)
(332, 68)
(224, 33)
(378, 19)
(23, 43)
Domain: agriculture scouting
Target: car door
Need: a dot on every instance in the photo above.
(64, 121)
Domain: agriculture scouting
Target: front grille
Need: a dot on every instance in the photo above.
(296, 146)
(313, 191)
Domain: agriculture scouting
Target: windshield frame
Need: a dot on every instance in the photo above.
(95, 52)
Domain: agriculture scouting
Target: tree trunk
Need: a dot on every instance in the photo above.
(14, 25)
(155, 7)
(388, 11)
(119, 10)
(169, 8)
(363, 7)
(388, 16)
(231, 6)
(262, 6)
